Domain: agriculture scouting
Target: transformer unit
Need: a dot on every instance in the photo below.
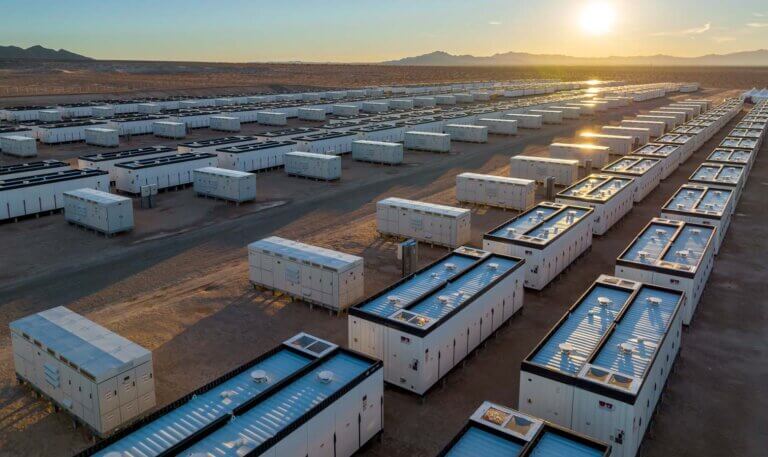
(106, 161)
(498, 431)
(668, 154)
(38, 193)
(702, 205)
(425, 324)
(526, 121)
(646, 172)
(253, 409)
(674, 254)
(581, 152)
(232, 185)
(20, 170)
(603, 367)
(640, 135)
(426, 222)
(617, 144)
(101, 211)
(164, 171)
(536, 168)
(311, 165)
(611, 196)
(334, 143)
(320, 276)
(103, 380)
(721, 176)
(377, 152)
(549, 236)
(254, 156)
(509, 193)
(428, 141)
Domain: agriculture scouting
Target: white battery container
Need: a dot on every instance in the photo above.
(549, 236)
(428, 141)
(310, 165)
(427, 222)
(225, 123)
(581, 152)
(231, 185)
(377, 152)
(612, 197)
(565, 171)
(98, 210)
(97, 136)
(646, 172)
(317, 275)
(100, 378)
(467, 133)
(500, 191)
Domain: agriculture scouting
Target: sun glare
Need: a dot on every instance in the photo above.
(598, 18)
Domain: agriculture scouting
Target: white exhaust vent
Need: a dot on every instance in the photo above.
(259, 376)
(325, 376)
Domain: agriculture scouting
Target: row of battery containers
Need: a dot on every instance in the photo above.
(603, 367)
(498, 191)
(427, 323)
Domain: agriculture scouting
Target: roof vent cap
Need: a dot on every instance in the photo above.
(654, 301)
(450, 266)
(626, 348)
(493, 266)
(604, 301)
(566, 348)
(259, 376)
(325, 376)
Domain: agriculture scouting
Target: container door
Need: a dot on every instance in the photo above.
(129, 410)
(126, 386)
(347, 425)
(110, 420)
(108, 399)
(320, 434)
(370, 417)
(145, 379)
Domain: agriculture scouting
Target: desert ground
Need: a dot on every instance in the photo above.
(33, 82)
(178, 283)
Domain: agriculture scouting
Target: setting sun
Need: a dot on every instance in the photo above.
(598, 18)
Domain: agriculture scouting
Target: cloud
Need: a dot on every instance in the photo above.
(494, 23)
(686, 32)
(757, 25)
(758, 14)
(723, 39)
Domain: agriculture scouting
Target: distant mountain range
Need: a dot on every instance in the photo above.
(441, 58)
(38, 53)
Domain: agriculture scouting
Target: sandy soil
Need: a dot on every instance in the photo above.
(21, 81)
